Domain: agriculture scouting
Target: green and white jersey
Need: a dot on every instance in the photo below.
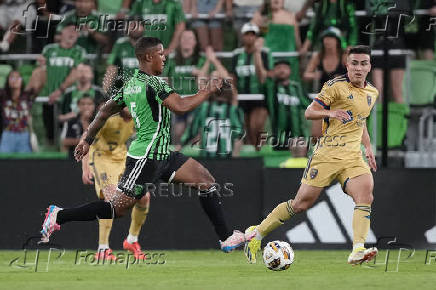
(123, 56)
(286, 105)
(85, 40)
(59, 62)
(160, 19)
(219, 125)
(243, 67)
(143, 95)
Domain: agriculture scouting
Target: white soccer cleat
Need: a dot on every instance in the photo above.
(236, 240)
(49, 225)
(360, 255)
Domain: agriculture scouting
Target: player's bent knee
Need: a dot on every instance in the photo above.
(299, 206)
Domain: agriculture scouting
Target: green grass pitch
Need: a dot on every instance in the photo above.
(215, 270)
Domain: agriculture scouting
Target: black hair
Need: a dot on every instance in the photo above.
(359, 49)
(282, 61)
(8, 87)
(86, 96)
(143, 44)
(339, 50)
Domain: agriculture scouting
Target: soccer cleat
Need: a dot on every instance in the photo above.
(49, 225)
(105, 255)
(134, 248)
(235, 240)
(360, 255)
(252, 247)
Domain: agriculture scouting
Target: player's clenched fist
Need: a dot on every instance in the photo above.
(340, 115)
(81, 150)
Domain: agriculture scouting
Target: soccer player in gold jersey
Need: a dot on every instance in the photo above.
(105, 164)
(343, 104)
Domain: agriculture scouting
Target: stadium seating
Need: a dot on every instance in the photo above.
(422, 82)
(422, 92)
(397, 124)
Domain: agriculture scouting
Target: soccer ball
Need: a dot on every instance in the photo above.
(278, 255)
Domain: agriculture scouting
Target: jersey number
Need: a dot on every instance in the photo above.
(133, 113)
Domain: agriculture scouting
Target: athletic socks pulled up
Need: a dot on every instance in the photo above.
(98, 209)
(276, 218)
(211, 204)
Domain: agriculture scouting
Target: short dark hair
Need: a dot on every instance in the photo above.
(144, 44)
(359, 49)
(282, 61)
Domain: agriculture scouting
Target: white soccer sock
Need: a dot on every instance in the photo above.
(358, 245)
(132, 239)
(103, 247)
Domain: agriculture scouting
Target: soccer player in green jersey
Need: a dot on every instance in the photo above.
(150, 101)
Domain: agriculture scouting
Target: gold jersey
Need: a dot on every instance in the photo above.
(341, 140)
(111, 139)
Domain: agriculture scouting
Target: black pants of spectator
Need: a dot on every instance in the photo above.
(48, 115)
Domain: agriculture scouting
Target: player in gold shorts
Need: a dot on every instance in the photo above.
(343, 104)
(105, 164)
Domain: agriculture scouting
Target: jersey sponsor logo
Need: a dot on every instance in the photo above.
(61, 61)
(245, 70)
(288, 100)
(130, 62)
(369, 99)
(133, 90)
(329, 221)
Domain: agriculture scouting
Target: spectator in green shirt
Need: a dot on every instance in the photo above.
(164, 19)
(87, 21)
(336, 13)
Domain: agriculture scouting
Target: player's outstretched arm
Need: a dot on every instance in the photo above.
(180, 105)
(107, 110)
(316, 112)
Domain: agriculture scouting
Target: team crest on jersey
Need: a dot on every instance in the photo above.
(313, 173)
(103, 177)
(369, 99)
(350, 97)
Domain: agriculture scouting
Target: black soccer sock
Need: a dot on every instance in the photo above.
(98, 209)
(212, 206)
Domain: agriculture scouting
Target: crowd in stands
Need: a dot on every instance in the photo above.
(269, 55)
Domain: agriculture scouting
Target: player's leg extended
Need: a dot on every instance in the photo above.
(195, 173)
(100, 168)
(138, 216)
(360, 189)
(306, 196)
(100, 209)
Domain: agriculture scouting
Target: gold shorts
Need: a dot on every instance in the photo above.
(106, 171)
(321, 173)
